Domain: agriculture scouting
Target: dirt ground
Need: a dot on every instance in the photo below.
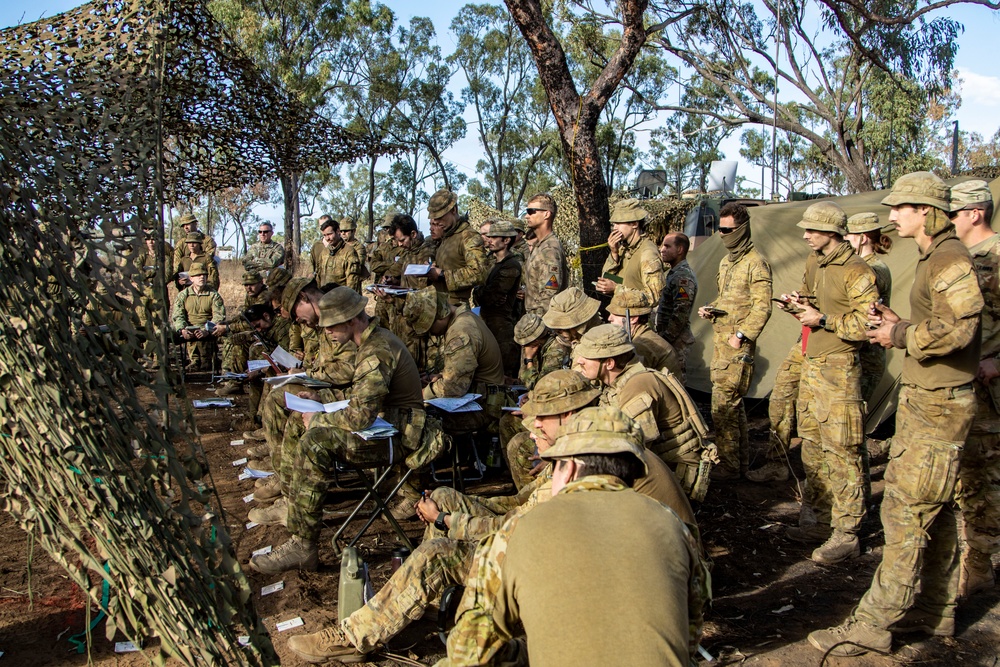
(768, 595)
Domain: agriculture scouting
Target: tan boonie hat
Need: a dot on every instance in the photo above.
(194, 237)
(423, 307)
(441, 202)
(862, 223)
(348, 225)
(628, 210)
(502, 228)
(560, 392)
(824, 216)
(528, 329)
(339, 305)
(570, 308)
(292, 290)
(603, 342)
(603, 430)
(970, 194)
(518, 224)
(197, 269)
(278, 278)
(251, 278)
(627, 302)
(389, 217)
(187, 219)
(920, 187)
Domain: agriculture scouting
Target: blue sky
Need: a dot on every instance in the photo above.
(976, 63)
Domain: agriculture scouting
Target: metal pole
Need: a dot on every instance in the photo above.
(774, 119)
(954, 150)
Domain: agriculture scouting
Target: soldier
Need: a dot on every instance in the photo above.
(658, 586)
(937, 405)
(541, 352)
(520, 249)
(460, 262)
(671, 424)
(386, 383)
(381, 258)
(348, 232)
(497, 297)
(189, 223)
(195, 306)
(978, 493)
(236, 347)
(194, 245)
(837, 290)
(411, 248)
(630, 310)
(738, 316)
(145, 267)
(673, 313)
(266, 254)
(571, 314)
(337, 263)
(634, 261)
(546, 273)
(271, 330)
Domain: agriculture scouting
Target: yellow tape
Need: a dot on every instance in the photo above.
(594, 247)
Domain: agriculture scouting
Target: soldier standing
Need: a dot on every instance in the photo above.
(864, 233)
(411, 248)
(680, 287)
(265, 254)
(348, 232)
(195, 254)
(337, 263)
(738, 316)
(189, 223)
(546, 273)
(634, 260)
(937, 405)
(497, 297)
(460, 262)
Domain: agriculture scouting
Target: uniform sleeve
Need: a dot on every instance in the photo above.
(460, 363)
(501, 282)
(337, 364)
(213, 274)
(250, 258)
(956, 303)
(295, 342)
(352, 270)
(369, 388)
(673, 313)
(218, 307)
(278, 258)
(178, 316)
(760, 300)
(476, 266)
(861, 292)
(651, 267)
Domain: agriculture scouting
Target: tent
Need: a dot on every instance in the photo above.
(776, 236)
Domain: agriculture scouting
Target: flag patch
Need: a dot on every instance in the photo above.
(553, 283)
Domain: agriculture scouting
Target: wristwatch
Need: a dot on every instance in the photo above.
(822, 322)
(439, 522)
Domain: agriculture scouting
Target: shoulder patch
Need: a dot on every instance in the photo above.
(552, 282)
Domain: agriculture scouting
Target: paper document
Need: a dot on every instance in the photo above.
(258, 364)
(391, 290)
(417, 269)
(213, 403)
(293, 402)
(379, 430)
(229, 375)
(285, 358)
(297, 378)
(458, 404)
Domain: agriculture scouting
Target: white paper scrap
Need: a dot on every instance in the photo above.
(239, 462)
(255, 474)
(235, 443)
(417, 269)
(248, 498)
(289, 624)
(784, 609)
(263, 551)
(252, 524)
(273, 588)
(243, 640)
(293, 402)
(245, 475)
(213, 403)
(283, 357)
(125, 647)
(456, 404)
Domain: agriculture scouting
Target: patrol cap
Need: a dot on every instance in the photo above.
(970, 194)
(570, 308)
(824, 216)
(423, 307)
(187, 219)
(528, 329)
(292, 290)
(518, 224)
(339, 305)
(628, 210)
(197, 269)
(603, 342)
(441, 202)
(347, 224)
(920, 187)
(194, 237)
(562, 391)
(251, 278)
(863, 223)
(602, 430)
(502, 228)
(389, 217)
(277, 278)
(628, 302)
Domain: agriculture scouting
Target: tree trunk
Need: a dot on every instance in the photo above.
(290, 192)
(371, 197)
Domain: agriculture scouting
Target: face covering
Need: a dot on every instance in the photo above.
(738, 241)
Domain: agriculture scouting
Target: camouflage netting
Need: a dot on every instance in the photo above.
(106, 113)
(664, 215)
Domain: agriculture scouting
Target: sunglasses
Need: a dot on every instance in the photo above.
(726, 230)
(532, 211)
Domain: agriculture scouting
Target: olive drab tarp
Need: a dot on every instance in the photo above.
(780, 241)
(108, 113)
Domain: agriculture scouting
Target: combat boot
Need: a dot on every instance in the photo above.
(852, 637)
(772, 471)
(328, 644)
(295, 554)
(255, 436)
(838, 548)
(258, 451)
(268, 490)
(229, 388)
(722, 474)
(807, 517)
(269, 516)
(810, 533)
(918, 620)
(975, 573)
(263, 465)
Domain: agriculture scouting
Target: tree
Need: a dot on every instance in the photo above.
(234, 207)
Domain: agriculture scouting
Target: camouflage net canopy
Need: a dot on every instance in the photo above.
(106, 113)
(665, 214)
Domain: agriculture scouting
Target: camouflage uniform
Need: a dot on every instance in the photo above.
(185, 262)
(145, 267)
(262, 257)
(208, 247)
(545, 275)
(655, 351)
(781, 404)
(393, 306)
(744, 284)
(236, 346)
(462, 260)
(193, 308)
(639, 267)
(277, 335)
(339, 263)
(497, 298)
(673, 314)
(872, 357)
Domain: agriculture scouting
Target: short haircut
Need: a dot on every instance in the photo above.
(328, 223)
(738, 212)
(622, 359)
(270, 227)
(680, 240)
(624, 466)
(257, 311)
(404, 223)
(547, 200)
